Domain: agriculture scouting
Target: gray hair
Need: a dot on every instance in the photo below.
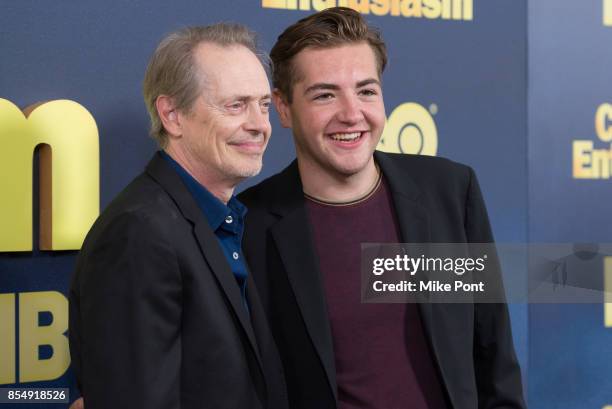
(172, 70)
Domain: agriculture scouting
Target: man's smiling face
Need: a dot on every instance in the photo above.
(227, 129)
(337, 112)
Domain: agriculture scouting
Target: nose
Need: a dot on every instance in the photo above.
(350, 111)
(258, 120)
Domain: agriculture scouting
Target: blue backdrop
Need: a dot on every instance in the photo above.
(570, 66)
(469, 72)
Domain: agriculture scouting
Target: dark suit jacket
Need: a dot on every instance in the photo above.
(436, 200)
(156, 318)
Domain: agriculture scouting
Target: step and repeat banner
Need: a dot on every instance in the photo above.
(570, 130)
(73, 133)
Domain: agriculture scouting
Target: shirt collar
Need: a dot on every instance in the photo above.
(214, 209)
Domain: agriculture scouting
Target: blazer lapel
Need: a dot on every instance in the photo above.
(293, 239)
(207, 241)
(219, 266)
(414, 223)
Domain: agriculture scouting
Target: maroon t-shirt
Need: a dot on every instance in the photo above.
(382, 358)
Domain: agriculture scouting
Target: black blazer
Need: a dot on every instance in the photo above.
(436, 200)
(156, 318)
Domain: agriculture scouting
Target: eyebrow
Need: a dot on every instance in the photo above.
(368, 81)
(323, 85)
(248, 97)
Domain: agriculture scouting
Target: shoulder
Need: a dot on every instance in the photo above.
(427, 173)
(254, 195)
(423, 166)
(282, 187)
(132, 247)
(143, 209)
(142, 196)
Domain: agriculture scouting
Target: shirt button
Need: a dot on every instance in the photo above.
(235, 255)
(229, 219)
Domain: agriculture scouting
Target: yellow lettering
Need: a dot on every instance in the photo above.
(380, 7)
(603, 117)
(607, 12)
(395, 7)
(432, 8)
(291, 4)
(362, 6)
(457, 9)
(411, 8)
(304, 4)
(468, 10)
(319, 5)
(274, 4)
(69, 174)
(7, 338)
(31, 336)
(410, 129)
(608, 293)
(601, 163)
(582, 159)
(446, 9)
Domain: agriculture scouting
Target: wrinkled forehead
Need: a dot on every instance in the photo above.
(229, 70)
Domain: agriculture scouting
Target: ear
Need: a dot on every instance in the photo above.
(282, 107)
(168, 115)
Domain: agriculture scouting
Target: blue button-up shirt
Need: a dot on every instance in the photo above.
(227, 222)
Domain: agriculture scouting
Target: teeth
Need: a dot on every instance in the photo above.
(346, 137)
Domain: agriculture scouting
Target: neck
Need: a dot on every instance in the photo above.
(221, 188)
(327, 186)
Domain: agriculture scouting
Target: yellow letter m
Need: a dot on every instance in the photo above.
(66, 136)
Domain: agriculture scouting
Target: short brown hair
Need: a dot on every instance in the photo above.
(328, 28)
(172, 70)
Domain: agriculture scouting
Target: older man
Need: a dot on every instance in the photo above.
(305, 226)
(163, 312)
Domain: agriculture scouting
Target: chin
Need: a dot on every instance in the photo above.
(250, 171)
(350, 168)
(347, 171)
(241, 171)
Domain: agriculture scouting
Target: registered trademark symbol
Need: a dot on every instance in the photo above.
(433, 109)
